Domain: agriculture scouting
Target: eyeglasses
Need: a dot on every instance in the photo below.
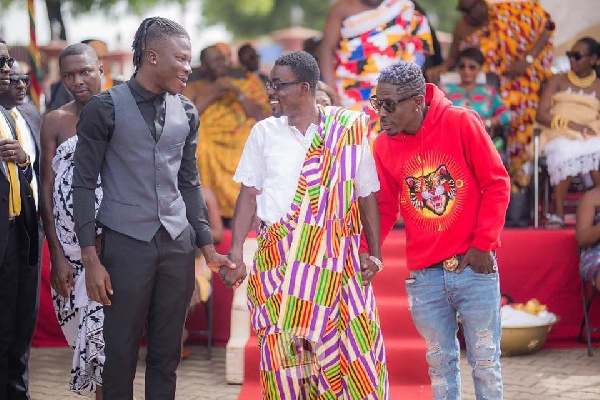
(468, 66)
(6, 61)
(278, 85)
(15, 79)
(469, 9)
(388, 105)
(575, 55)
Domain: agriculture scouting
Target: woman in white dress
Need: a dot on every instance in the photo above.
(570, 111)
(81, 319)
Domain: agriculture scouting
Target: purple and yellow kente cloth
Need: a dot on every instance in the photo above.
(373, 40)
(513, 29)
(317, 325)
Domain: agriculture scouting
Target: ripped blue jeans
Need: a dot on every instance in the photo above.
(436, 297)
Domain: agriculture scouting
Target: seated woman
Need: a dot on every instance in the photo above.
(587, 233)
(569, 109)
(483, 99)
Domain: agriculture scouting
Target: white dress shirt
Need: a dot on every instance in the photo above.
(28, 144)
(272, 161)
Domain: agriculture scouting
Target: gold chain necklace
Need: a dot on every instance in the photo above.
(582, 82)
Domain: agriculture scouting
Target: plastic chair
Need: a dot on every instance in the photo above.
(587, 298)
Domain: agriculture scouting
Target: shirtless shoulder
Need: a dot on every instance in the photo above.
(60, 123)
(342, 9)
(463, 29)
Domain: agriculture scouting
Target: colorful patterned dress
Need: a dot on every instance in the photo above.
(484, 100)
(317, 324)
(80, 318)
(373, 40)
(513, 29)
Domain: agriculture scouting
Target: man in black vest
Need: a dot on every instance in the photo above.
(140, 137)
(19, 272)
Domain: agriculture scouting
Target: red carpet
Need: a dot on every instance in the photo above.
(404, 347)
(533, 263)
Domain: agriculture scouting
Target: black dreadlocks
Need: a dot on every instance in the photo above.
(150, 29)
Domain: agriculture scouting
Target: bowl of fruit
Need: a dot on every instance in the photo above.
(525, 327)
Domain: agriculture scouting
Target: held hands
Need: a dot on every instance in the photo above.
(233, 277)
(222, 86)
(585, 130)
(368, 269)
(518, 68)
(481, 262)
(61, 276)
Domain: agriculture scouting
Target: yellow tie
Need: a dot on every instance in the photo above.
(20, 139)
(14, 196)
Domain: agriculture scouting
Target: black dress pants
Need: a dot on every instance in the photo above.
(152, 284)
(19, 300)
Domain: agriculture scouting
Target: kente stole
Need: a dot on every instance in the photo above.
(305, 281)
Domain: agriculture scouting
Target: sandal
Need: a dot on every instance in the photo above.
(554, 222)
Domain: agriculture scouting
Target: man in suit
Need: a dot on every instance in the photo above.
(27, 120)
(19, 272)
(140, 137)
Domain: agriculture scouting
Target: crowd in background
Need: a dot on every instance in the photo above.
(499, 70)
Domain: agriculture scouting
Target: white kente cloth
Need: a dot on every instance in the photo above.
(80, 319)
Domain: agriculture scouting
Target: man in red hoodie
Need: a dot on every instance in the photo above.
(437, 165)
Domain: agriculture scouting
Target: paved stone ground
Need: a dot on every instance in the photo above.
(546, 375)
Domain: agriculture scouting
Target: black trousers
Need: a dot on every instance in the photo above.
(19, 300)
(152, 284)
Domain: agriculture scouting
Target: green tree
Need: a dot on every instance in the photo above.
(442, 13)
(55, 9)
(251, 18)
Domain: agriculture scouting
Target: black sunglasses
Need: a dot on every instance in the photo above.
(6, 61)
(278, 85)
(388, 105)
(469, 9)
(575, 55)
(15, 79)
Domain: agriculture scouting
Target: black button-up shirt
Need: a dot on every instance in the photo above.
(94, 130)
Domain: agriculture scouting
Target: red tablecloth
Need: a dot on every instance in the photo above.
(540, 264)
(544, 264)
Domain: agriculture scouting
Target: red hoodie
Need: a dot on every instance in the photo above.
(452, 186)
